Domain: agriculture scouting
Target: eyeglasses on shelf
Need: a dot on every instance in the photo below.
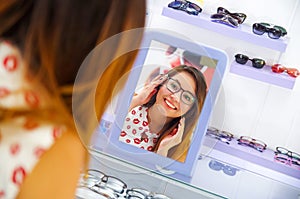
(96, 183)
(223, 136)
(138, 193)
(287, 157)
(251, 142)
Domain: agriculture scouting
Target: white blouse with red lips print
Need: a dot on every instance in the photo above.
(23, 139)
(136, 130)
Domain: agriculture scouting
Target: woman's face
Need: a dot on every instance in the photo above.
(176, 104)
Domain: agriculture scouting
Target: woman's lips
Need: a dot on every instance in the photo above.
(170, 104)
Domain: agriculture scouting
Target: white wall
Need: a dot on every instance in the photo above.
(246, 106)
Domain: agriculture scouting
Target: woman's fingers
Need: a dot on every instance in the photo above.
(159, 79)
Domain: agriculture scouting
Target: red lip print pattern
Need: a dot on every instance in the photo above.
(4, 92)
(145, 123)
(10, 63)
(30, 124)
(137, 141)
(38, 151)
(31, 99)
(56, 133)
(123, 134)
(18, 175)
(2, 193)
(133, 131)
(146, 140)
(136, 121)
(150, 148)
(15, 148)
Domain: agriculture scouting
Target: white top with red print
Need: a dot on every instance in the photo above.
(22, 139)
(136, 129)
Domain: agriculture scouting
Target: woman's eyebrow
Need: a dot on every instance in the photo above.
(189, 86)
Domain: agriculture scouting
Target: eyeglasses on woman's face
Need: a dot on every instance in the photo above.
(174, 87)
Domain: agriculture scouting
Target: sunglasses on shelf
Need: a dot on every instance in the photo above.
(186, 6)
(274, 32)
(218, 166)
(251, 142)
(278, 68)
(256, 62)
(287, 157)
(225, 19)
(223, 136)
(240, 17)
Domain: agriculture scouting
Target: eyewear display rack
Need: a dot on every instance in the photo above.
(243, 170)
(257, 165)
(248, 158)
(136, 176)
(244, 33)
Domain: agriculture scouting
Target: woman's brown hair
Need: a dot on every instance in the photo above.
(54, 38)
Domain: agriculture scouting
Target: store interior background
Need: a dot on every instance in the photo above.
(246, 106)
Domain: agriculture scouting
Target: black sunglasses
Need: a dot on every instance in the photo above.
(225, 19)
(256, 62)
(240, 17)
(274, 32)
(186, 6)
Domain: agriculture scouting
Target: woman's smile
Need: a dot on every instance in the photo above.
(170, 104)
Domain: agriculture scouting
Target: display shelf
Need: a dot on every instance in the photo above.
(264, 74)
(136, 176)
(243, 32)
(248, 158)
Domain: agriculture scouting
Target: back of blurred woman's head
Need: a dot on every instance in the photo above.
(55, 36)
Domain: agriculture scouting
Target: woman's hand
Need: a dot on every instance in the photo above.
(171, 140)
(147, 92)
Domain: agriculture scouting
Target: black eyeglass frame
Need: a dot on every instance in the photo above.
(183, 91)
